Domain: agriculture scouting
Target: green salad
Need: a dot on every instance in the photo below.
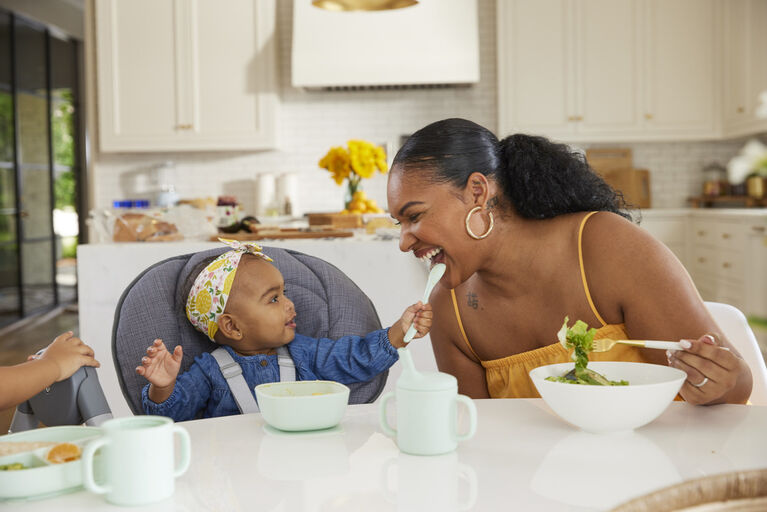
(580, 339)
(12, 467)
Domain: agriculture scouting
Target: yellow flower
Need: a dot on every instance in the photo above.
(203, 302)
(360, 160)
(337, 161)
(228, 282)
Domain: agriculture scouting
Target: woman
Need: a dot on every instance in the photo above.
(530, 234)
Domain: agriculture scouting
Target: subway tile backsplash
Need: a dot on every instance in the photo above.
(310, 122)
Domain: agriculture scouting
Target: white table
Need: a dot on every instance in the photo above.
(392, 279)
(522, 458)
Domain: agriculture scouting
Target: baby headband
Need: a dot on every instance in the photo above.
(210, 291)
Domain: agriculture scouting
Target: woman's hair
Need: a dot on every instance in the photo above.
(539, 178)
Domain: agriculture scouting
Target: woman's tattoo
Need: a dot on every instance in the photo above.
(473, 300)
(492, 203)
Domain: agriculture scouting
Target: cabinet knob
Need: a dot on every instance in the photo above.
(701, 233)
(701, 260)
(759, 229)
(648, 116)
(726, 265)
(725, 235)
(741, 110)
(572, 118)
(183, 127)
(579, 118)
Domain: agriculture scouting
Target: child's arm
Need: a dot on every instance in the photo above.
(359, 358)
(63, 357)
(160, 368)
(419, 314)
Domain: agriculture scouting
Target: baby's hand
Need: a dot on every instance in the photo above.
(419, 315)
(68, 353)
(159, 366)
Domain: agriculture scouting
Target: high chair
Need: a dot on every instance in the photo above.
(327, 302)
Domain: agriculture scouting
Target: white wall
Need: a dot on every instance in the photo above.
(312, 122)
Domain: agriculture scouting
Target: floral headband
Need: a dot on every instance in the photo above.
(210, 291)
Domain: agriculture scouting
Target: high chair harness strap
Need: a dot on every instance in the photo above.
(232, 372)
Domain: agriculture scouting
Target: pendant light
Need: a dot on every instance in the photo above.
(362, 5)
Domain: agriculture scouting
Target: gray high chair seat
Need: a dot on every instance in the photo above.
(328, 304)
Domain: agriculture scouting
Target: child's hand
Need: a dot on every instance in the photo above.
(159, 366)
(418, 314)
(69, 354)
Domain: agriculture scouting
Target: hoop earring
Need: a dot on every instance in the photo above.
(489, 228)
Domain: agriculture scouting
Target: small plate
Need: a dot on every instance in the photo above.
(43, 479)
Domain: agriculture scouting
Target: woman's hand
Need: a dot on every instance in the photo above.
(160, 368)
(712, 371)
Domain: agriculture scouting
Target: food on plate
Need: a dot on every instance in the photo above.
(12, 448)
(63, 452)
(12, 467)
(580, 339)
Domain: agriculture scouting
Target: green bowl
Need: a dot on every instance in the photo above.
(41, 478)
(302, 405)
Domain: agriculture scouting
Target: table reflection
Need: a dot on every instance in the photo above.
(596, 470)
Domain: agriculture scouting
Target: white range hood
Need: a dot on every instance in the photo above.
(435, 42)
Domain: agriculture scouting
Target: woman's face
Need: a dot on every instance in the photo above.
(432, 217)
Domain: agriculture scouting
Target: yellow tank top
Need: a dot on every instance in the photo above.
(508, 377)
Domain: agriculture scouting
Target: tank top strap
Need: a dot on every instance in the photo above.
(460, 324)
(583, 269)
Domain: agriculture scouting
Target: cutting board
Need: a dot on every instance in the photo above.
(281, 233)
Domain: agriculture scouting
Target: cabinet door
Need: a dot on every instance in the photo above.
(745, 76)
(681, 49)
(136, 74)
(535, 67)
(177, 75)
(735, 44)
(234, 103)
(608, 81)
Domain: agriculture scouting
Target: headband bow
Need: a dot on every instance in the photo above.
(207, 298)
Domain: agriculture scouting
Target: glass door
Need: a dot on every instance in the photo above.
(10, 286)
(35, 200)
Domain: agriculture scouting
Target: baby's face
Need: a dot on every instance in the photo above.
(263, 313)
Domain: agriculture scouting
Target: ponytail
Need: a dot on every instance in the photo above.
(543, 179)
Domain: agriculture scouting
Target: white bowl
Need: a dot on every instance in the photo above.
(601, 409)
(302, 405)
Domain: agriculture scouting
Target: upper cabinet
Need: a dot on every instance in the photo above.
(176, 75)
(745, 68)
(624, 70)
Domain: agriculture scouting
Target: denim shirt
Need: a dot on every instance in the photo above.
(202, 391)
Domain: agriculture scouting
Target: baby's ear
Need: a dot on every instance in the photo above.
(227, 326)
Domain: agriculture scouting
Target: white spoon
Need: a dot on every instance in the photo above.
(436, 273)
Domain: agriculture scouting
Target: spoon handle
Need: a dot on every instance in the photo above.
(436, 273)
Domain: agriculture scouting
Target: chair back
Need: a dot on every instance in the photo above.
(328, 303)
(735, 327)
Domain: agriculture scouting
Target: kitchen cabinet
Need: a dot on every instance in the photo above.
(670, 227)
(745, 58)
(725, 252)
(602, 70)
(175, 75)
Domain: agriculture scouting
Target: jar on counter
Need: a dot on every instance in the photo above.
(715, 180)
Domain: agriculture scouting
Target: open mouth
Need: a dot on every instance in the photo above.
(432, 256)
(291, 323)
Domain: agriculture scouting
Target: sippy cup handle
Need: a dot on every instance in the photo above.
(469, 403)
(388, 429)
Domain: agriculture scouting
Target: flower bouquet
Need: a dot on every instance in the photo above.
(351, 165)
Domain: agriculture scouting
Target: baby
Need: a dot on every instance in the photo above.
(238, 300)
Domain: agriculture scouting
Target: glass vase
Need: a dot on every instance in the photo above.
(352, 186)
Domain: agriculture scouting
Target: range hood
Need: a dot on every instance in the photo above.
(434, 42)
